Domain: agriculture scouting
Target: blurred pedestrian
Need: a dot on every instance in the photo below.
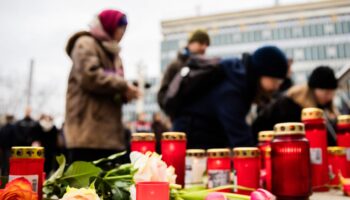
(7, 140)
(197, 44)
(318, 92)
(97, 89)
(141, 124)
(218, 118)
(46, 135)
(25, 129)
(158, 127)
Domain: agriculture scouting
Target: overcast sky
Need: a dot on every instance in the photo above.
(39, 29)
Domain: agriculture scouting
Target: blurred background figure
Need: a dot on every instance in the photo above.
(8, 139)
(46, 135)
(218, 118)
(288, 82)
(141, 124)
(158, 127)
(197, 44)
(97, 89)
(318, 92)
(25, 129)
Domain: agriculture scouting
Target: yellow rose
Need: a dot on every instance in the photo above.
(80, 194)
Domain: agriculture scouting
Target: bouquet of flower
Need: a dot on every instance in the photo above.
(101, 180)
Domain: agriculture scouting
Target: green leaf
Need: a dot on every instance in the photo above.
(109, 158)
(61, 160)
(79, 173)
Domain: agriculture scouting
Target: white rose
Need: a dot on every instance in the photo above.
(151, 167)
(80, 194)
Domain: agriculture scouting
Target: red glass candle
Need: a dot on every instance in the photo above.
(246, 162)
(343, 138)
(196, 165)
(265, 138)
(173, 148)
(316, 133)
(337, 164)
(152, 191)
(143, 142)
(219, 168)
(28, 162)
(291, 166)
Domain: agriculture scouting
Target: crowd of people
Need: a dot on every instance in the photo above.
(217, 102)
(30, 132)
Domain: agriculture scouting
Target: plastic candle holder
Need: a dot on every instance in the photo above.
(152, 191)
(316, 133)
(173, 148)
(143, 142)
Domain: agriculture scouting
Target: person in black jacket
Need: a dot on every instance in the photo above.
(217, 119)
(197, 44)
(318, 92)
(25, 129)
(8, 139)
(46, 135)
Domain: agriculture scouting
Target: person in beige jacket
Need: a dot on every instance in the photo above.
(97, 90)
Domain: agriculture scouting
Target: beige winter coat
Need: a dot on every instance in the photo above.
(94, 97)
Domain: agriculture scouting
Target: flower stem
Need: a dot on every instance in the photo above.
(118, 177)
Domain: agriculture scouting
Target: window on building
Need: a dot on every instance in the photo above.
(341, 50)
(289, 53)
(228, 38)
(257, 35)
(321, 52)
(298, 54)
(347, 50)
(266, 34)
(329, 29)
(245, 37)
(251, 36)
(308, 53)
(331, 52)
(306, 31)
(319, 30)
(297, 32)
(288, 32)
(313, 30)
(281, 33)
(315, 53)
(275, 35)
(346, 26)
(237, 37)
(338, 28)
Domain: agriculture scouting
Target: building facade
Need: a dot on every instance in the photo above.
(311, 34)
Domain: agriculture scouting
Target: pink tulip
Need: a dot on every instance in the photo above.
(261, 194)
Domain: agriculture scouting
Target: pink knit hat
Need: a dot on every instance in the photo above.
(111, 20)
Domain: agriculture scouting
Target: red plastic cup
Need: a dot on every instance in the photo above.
(152, 191)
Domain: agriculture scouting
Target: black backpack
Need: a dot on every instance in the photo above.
(193, 81)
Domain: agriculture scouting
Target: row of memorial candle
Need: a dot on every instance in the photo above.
(315, 135)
